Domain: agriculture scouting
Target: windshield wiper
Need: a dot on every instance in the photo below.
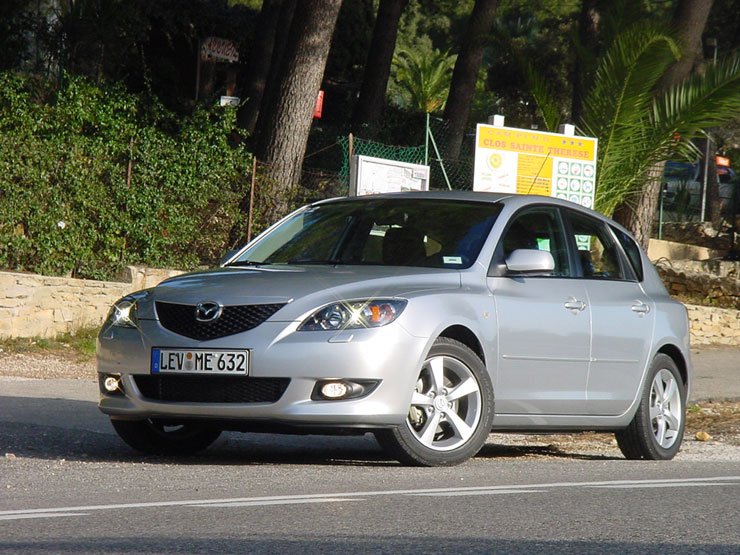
(248, 263)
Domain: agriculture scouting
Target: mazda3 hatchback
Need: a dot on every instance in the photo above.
(427, 319)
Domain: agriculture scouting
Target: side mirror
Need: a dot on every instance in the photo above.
(530, 261)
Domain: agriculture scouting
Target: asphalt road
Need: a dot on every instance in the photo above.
(69, 485)
(716, 373)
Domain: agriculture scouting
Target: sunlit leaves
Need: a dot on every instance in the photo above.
(93, 179)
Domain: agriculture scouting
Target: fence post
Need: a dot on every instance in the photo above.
(430, 135)
(663, 188)
(130, 168)
(426, 142)
(251, 198)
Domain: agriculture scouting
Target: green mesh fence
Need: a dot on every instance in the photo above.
(459, 170)
(363, 147)
(329, 152)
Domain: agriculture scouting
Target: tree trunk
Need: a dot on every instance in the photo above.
(258, 66)
(282, 141)
(370, 104)
(267, 105)
(465, 74)
(589, 22)
(689, 21)
(638, 212)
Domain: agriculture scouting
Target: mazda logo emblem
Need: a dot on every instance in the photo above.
(208, 311)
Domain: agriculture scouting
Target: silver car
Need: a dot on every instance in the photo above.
(428, 319)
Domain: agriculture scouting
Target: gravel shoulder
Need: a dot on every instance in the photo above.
(46, 366)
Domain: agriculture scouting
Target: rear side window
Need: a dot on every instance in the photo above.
(632, 251)
(597, 250)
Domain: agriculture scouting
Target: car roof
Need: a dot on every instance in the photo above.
(439, 195)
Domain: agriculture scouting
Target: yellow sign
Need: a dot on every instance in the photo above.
(520, 161)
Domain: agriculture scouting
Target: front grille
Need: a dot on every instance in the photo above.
(180, 318)
(208, 389)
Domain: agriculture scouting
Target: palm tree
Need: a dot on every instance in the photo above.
(424, 78)
(639, 129)
(617, 108)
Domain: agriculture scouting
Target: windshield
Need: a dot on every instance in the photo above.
(429, 233)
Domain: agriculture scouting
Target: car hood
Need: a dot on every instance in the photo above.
(302, 288)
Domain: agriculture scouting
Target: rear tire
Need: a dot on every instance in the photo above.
(451, 410)
(656, 431)
(156, 438)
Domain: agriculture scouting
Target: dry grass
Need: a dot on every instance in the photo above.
(76, 347)
(721, 420)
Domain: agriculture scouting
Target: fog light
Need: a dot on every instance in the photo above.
(334, 390)
(112, 384)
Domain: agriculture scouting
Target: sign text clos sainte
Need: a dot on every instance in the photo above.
(510, 160)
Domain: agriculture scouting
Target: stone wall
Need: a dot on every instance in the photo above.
(716, 267)
(711, 325)
(700, 281)
(43, 306)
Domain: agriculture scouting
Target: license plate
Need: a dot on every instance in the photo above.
(197, 361)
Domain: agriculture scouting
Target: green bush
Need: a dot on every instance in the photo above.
(93, 179)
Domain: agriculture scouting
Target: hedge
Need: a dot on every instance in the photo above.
(94, 178)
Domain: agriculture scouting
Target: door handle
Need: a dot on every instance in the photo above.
(640, 308)
(574, 304)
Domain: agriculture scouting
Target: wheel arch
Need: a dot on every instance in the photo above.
(677, 357)
(467, 337)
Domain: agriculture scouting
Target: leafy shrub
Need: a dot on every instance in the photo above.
(94, 179)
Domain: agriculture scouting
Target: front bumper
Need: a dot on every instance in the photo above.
(388, 355)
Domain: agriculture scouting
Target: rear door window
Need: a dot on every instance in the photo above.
(598, 252)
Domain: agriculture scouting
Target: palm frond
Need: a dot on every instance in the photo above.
(666, 129)
(701, 101)
(542, 93)
(626, 76)
(424, 79)
(616, 109)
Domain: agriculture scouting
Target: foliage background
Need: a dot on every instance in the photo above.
(67, 203)
(91, 88)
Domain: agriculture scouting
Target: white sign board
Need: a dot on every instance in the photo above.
(229, 101)
(372, 176)
(510, 160)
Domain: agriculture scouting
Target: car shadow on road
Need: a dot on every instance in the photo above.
(73, 430)
(496, 451)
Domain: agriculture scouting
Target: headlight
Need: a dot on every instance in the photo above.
(123, 312)
(349, 315)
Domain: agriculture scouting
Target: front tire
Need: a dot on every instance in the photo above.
(157, 438)
(451, 410)
(656, 431)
